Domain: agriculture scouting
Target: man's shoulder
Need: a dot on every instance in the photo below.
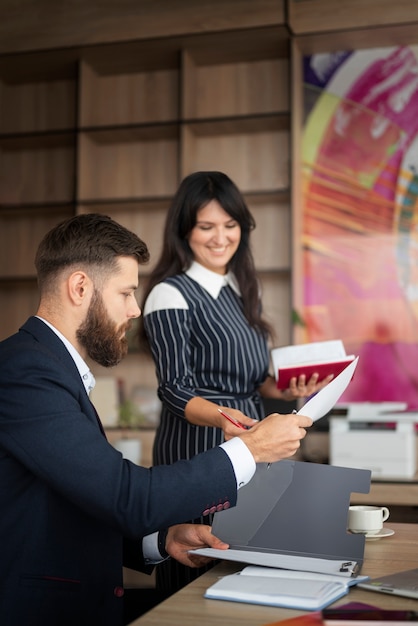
(33, 338)
(31, 332)
(18, 337)
(35, 352)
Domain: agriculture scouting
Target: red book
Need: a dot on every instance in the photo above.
(324, 369)
(321, 357)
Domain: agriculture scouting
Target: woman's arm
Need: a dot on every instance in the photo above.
(167, 325)
(203, 412)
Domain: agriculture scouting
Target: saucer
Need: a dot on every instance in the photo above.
(384, 532)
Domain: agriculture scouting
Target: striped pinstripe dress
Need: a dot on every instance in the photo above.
(202, 346)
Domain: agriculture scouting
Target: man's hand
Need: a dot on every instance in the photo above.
(276, 437)
(184, 537)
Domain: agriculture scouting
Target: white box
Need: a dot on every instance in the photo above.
(367, 444)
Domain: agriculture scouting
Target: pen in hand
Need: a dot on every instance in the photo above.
(232, 420)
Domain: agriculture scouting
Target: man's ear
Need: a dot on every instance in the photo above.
(80, 288)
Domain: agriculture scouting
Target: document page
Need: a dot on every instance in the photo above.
(322, 402)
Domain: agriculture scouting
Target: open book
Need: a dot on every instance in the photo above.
(277, 587)
(321, 357)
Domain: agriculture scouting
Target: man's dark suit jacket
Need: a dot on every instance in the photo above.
(72, 511)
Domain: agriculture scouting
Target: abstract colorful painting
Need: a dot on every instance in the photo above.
(360, 215)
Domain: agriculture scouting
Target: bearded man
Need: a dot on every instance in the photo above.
(72, 510)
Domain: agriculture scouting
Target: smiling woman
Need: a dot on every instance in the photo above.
(215, 237)
(203, 323)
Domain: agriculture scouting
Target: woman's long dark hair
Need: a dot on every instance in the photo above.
(194, 193)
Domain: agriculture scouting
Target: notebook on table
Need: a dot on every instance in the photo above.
(403, 583)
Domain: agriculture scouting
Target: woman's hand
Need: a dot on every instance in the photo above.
(298, 387)
(230, 429)
(202, 412)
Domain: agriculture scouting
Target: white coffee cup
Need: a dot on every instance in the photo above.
(367, 520)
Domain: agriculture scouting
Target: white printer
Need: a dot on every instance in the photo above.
(376, 436)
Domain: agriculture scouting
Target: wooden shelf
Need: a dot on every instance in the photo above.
(37, 168)
(253, 152)
(145, 218)
(38, 106)
(322, 16)
(113, 128)
(272, 215)
(143, 95)
(277, 303)
(128, 163)
(37, 140)
(21, 231)
(246, 87)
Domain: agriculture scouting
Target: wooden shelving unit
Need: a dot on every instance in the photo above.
(37, 169)
(114, 128)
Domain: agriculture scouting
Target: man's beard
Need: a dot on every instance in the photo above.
(104, 342)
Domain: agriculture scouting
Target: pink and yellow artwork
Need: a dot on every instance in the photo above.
(360, 215)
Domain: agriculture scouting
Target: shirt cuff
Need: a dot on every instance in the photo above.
(242, 460)
(150, 549)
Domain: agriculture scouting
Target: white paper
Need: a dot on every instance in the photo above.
(323, 401)
(275, 572)
(278, 560)
(308, 353)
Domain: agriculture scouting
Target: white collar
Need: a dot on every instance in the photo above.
(83, 369)
(211, 281)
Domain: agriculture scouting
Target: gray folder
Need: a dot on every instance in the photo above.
(298, 510)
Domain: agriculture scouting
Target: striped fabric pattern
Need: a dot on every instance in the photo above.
(207, 350)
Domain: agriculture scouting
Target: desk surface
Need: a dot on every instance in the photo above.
(188, 607)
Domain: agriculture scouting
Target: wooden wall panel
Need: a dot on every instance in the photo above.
(41, 24)
(20, 300)
(313, 43)
(319, 16)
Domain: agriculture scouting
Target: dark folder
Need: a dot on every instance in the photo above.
(293, 515)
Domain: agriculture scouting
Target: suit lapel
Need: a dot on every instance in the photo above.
(47, 338)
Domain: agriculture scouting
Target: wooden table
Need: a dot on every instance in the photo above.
(188, 607)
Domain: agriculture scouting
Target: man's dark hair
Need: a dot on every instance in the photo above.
(92, 242)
